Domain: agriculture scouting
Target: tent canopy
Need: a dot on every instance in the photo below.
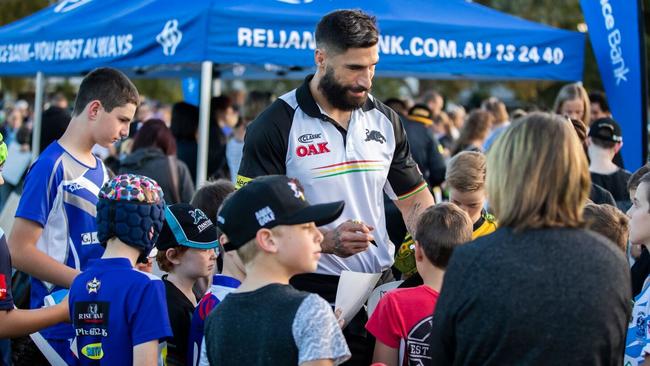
(422, 38)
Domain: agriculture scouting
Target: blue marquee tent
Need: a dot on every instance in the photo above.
(270, 38)
(423, 38)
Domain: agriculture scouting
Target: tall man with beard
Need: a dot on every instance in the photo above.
(342, 144)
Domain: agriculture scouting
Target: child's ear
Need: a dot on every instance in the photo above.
(618, 147)
(93, 108)
(265, 241)
(419, 254)
(172, 256)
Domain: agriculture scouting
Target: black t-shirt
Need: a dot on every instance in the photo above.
(600, 195)
(615, 183)
(180, 317)
(6, 300)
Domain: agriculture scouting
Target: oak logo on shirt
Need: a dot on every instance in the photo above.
(312, 149)
(93, 351)
(3, 287)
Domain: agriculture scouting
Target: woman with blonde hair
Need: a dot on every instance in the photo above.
(573, 101)
(540, 290)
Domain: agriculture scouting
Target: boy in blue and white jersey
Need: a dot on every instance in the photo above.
(637, 343)
(222, 284)
(119, 314)
(54, 235)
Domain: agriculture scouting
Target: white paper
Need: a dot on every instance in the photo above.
(16, 164)
(353, 291)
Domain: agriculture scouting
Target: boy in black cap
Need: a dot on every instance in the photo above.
(187, 250)
(605, 141)
(274, 230)
(119, 314)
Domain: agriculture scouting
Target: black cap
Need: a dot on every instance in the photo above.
(606, 129)
(187, 226)
(267, 202)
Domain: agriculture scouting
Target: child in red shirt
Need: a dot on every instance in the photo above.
(401, 323)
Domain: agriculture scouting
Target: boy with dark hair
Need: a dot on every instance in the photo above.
(402, 319)
(274, 230)
(599, 106)
(55, 235)
(609, 222)
(119, 314)
(637, 349)
(186, 249)
(638, 254)
(605, 141)
(15, 322)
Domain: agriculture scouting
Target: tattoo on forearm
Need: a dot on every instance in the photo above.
(412, 217)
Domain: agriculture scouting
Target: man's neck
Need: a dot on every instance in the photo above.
(76, 142)
(601, 161)
(115, 248)
(340, 116)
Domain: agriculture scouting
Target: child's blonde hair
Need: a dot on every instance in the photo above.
(466, 171)
(573, 92)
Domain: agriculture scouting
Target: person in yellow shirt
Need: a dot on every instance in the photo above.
(465, 180)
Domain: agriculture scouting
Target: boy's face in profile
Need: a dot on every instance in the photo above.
(470, 202)
(298, 247)
(110, 127)
(640, 216)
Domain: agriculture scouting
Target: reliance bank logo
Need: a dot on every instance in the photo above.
(67, 5)
(170, 37)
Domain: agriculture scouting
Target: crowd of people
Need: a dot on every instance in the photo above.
(507, 238)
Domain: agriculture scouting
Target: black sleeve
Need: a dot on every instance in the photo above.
(266, 143)
(600, 195)
(437, 166)
(404, 177)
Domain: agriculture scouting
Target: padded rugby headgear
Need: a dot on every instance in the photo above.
(131, 208)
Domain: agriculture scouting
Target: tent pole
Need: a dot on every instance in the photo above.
(38, 113)
(204, 123)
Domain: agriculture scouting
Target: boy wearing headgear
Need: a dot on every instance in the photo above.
(605, 141)
(15, 322)
(118, 313)
(187, 251)
(274, 230)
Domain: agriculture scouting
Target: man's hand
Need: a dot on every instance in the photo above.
(349, 238)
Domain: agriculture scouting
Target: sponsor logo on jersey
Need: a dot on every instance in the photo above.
(93, 351)
(375, 135)
(93, 285)
(89, 238)
(91, 318)
(309, 137)
(312, 149)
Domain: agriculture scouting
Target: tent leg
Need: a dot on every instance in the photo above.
(38, 114)
(204, 123)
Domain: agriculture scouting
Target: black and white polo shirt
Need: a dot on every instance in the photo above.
(296, 138)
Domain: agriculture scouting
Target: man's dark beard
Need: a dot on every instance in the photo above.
(337, 94)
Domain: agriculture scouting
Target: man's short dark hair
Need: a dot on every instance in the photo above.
(635, 178)
(599, 98)
(440, 229)
(111, 87)
(646, 179)
(341, 30)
